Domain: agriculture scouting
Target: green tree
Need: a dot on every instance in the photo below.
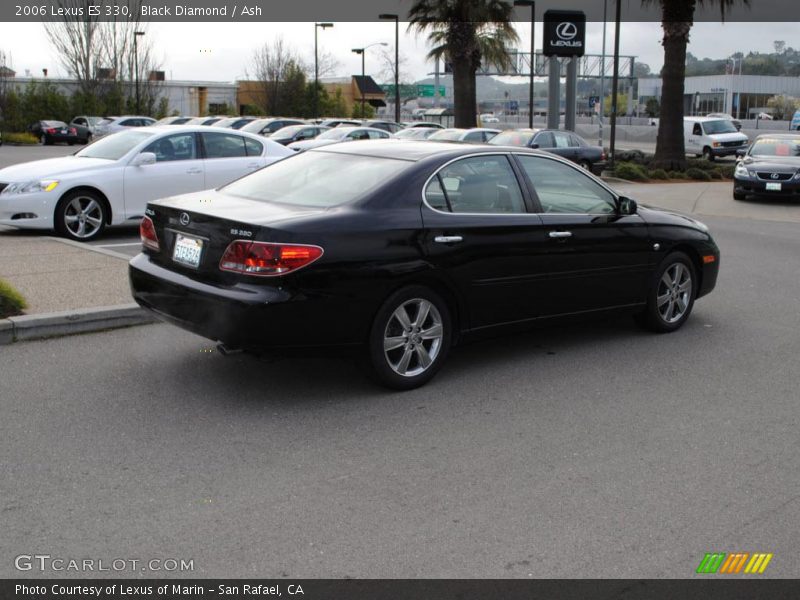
(783, 106)
(467, 33)
(677, 17)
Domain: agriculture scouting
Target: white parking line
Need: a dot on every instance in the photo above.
(118, 245)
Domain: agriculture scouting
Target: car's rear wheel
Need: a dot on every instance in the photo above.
(410, 338)
(671, 295)
(81, 216)
(585, 164)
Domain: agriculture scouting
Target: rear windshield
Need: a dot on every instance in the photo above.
(115, 146)
(512, 138)
(319, 179)
(776, 147)
(452, 135)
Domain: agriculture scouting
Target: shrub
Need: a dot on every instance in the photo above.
(715, 174)
(631, 156)
(726, 171)
(677, 175)
(630, 171)
(20, 138)
(11, 301)
(700, 163)
(698, 174)
(658, 174)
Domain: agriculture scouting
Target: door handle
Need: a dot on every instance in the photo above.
(253, 166)
(448, 239)
(194, 171)
(560, 234)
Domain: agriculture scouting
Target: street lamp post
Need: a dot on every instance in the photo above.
(317, 26)
(532, 4)
(396, 19)
(136, 35)
(363, 53)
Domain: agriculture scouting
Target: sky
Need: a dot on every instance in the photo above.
(223, 51)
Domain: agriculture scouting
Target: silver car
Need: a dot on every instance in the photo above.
(115, 124)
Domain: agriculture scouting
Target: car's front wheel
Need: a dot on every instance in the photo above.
(708, 154)
(81, 216)
(739, 196)
(671, 295)
(410, 338)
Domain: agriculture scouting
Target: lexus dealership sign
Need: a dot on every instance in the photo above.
(564, 33)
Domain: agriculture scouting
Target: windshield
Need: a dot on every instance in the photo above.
(95, 120)
(115, 146)
(447, 135)
(512, 138)
(712, 127)
(319, 179)
(334, 134)
(776, 147)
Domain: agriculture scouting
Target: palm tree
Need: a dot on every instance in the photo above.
(677, 17)
(467, 33)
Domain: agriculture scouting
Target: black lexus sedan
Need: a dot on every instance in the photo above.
(770, 167)
(53, 132)
(401, 249)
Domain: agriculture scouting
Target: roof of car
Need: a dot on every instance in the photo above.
(414, 150)
(780, 136)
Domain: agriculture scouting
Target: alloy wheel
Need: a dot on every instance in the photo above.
(83, 217)
(674, 292)
(413, 337)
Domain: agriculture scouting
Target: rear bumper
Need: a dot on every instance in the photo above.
(250, 316)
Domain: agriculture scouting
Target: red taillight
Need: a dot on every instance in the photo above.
(264, 258)
(73, 131)
(147, 231)
(50, 130)
(602, 156)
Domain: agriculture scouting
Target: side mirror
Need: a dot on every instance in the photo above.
(741, 152)
(627, 206)
(143, 159)
(534, 146)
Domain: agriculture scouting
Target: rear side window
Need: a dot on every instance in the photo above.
(223, 145)
(562, 139)
(253, 147)
(479, 184)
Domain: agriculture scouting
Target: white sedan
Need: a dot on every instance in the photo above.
(341, 134)
(110, 181)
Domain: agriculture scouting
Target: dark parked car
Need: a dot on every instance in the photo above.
(297, 133)
(54, 132)
(398, 250)
(770, 167)
(564, 143)
(269, 126)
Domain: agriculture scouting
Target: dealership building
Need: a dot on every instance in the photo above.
(743, 96)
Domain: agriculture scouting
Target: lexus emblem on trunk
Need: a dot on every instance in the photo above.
(775, 176)
(184, 219)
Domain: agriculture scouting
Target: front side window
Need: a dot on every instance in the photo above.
(223, 145)
(174, 147)
(564, 189)
(545, 140)
(479, 184)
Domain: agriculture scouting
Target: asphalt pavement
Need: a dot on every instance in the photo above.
(594, 450)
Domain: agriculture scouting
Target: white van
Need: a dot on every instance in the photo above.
(710, 137)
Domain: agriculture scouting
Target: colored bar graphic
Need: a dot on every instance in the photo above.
(735, 562)
(758, 563)
(711, 562)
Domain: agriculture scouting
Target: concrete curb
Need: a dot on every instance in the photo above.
(71, 322)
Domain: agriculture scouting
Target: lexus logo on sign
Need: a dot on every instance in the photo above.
(564, 33)
(184, 219)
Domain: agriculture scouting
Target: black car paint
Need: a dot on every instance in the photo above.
(786, 167)
(507, 271)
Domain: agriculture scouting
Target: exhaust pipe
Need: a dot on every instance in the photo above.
(227, 350)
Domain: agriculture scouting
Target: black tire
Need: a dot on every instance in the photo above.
(653, 318)
(585, 164)
(738, 196)
(70, 143)
(708, 154)
(94, 218)
(385, 365)
(87, 139)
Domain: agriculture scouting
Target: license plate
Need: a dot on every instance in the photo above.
(187, 251)
(773, 187)
(63, 132)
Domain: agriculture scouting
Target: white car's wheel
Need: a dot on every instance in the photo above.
(81, 215)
